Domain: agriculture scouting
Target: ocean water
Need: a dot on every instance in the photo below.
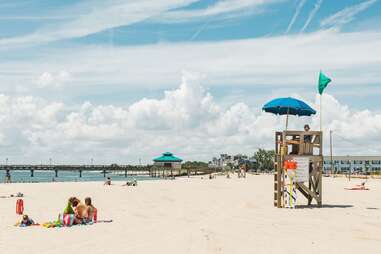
(67, 176)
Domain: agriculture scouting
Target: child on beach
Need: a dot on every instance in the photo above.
(90, 209)
(25, 221)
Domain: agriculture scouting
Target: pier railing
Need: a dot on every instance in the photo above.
(127, 170)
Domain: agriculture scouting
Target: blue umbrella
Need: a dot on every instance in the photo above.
(288, 106)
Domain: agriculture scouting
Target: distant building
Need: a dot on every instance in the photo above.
(360, 164)
(167, 160)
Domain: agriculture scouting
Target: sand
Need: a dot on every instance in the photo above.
(196, 216)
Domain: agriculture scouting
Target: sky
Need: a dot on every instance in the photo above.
(122, 81)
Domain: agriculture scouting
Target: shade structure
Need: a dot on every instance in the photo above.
(167, 157)
(288, 106)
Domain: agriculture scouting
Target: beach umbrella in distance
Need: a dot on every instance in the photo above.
(288, 106)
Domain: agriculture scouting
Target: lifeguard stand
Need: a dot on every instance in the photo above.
(299, 145)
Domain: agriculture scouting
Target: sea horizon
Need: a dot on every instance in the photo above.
(41, 176)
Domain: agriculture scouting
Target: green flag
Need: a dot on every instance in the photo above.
(323, 82)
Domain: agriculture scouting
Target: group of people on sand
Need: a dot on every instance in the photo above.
(79, 213)
(132, 182)
(83, 212)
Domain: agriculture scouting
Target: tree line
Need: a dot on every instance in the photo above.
(263, 162)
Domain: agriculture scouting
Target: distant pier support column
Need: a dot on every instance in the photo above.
(80, 173)
(104, 173)
(31, 173)
(56, 172)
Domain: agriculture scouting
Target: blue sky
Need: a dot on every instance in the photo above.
(256, 19)
(113, 54)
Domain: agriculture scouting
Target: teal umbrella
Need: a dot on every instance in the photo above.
(288, 106)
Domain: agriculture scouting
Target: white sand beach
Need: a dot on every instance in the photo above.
(195, 216)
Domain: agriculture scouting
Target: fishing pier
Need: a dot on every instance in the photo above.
(126, 170)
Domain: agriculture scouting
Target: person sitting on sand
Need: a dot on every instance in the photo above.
(69, 209)
(89, 209)
(80, 210)
(108, 181)
(133, 182)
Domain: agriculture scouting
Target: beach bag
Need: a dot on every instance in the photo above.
(19, 206)
(66, 219)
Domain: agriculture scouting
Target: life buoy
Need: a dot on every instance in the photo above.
(19, 206)
(290, 165)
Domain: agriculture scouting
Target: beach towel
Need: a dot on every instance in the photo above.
(52, 224)
(66, 219)
(357, 188)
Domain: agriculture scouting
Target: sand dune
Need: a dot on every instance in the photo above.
(196, 216)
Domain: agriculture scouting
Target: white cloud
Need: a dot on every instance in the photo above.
(178, 108)
(312, 15)
(186, 120)
(49, 79)
(95, 17)
(272, 61)
(227, 8)
(346, 15)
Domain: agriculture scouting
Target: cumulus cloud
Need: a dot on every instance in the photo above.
(181, 108)
(52, 79)
(186, 120)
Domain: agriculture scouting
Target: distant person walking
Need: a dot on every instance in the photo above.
(8, 177)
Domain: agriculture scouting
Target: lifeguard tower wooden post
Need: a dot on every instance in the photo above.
(302, 146)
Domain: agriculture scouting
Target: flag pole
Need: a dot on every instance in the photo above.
(321, 112)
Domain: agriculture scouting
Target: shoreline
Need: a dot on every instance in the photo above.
(121, 178)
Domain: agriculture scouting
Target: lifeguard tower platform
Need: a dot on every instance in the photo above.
(306, 149)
